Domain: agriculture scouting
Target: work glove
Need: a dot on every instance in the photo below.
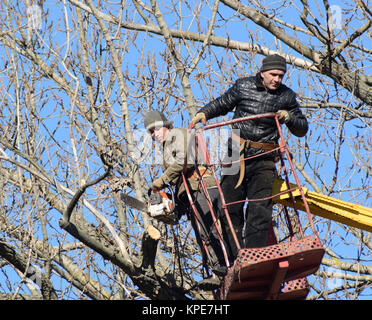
(200, 116)
(157, 184)
(283, 116)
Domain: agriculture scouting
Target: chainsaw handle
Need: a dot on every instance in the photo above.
(150, 191)
(173, 198)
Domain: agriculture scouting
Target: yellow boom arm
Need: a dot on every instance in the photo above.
(344, 212)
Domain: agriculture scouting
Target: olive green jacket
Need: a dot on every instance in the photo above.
(179, 155)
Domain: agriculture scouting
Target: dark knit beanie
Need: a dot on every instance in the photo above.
(156, 119)
(274, 61)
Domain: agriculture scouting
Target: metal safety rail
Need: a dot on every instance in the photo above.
(279, 270)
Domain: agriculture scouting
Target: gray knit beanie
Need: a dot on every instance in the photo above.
(274, 61)
(156, 119)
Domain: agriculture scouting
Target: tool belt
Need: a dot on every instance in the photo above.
(194, 174)
(249, 144)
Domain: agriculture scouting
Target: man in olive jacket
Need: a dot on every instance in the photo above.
(250, 96)
(179, 157)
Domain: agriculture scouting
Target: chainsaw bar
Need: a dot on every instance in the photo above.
(134, 203)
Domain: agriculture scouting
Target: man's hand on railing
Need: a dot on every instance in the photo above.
(198, 117)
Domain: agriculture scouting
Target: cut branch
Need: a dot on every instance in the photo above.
(150, 240)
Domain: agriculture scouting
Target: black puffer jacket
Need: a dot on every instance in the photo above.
(249, 97)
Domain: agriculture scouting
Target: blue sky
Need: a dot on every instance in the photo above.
(241, 30)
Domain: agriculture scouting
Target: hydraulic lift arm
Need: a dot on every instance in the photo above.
(344, 212)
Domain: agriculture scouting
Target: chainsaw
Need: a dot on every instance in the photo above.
(160, 205)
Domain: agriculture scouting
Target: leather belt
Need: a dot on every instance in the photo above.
(253, 144)
(249, 144)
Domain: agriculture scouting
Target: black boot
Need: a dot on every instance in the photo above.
(219, 270)
(209, 284)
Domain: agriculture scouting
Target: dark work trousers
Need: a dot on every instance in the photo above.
(205, 229)
(257, 184)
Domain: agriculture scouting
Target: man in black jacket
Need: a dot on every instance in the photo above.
(250, 96)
